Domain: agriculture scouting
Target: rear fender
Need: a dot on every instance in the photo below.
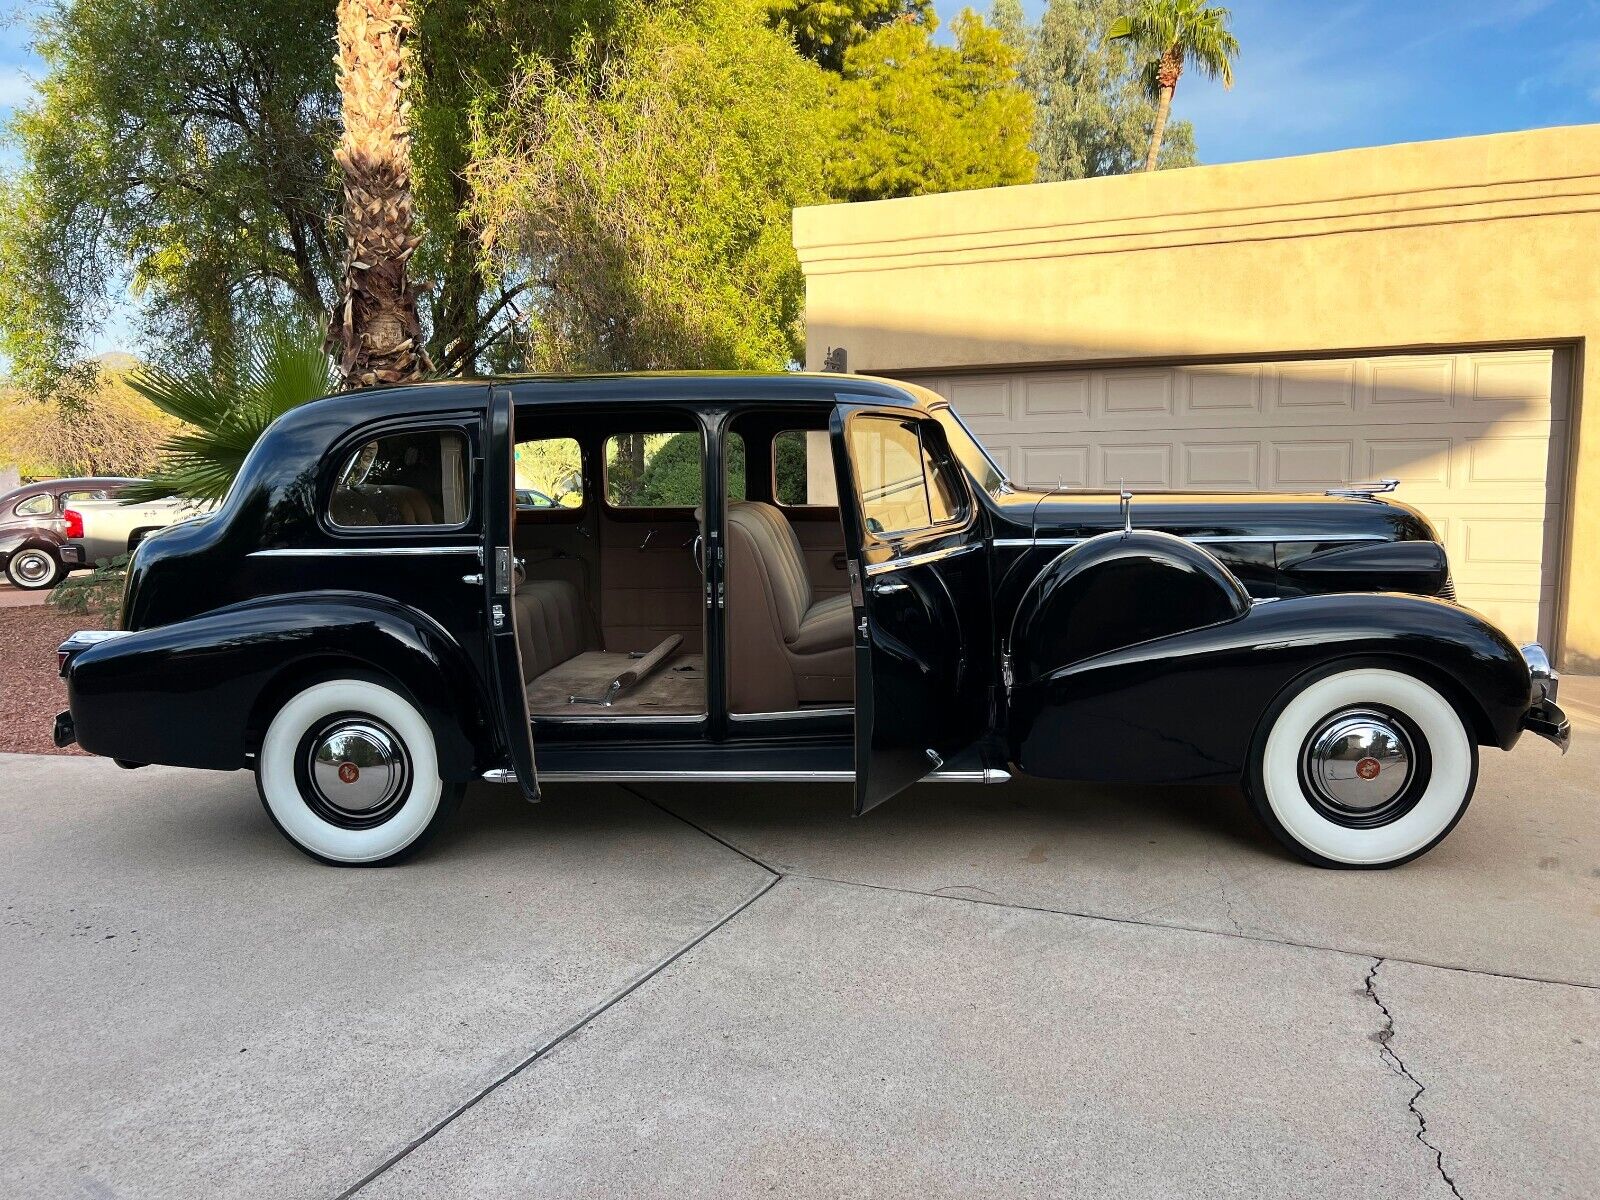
(1185, 708)
(194, 693)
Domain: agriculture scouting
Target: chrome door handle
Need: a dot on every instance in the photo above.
(475, 580)
(887, 587)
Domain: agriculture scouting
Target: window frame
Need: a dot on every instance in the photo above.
(649, 512)
(52, 510)
(558, 514)
(801, 510)
(938, 456)
(336, 464)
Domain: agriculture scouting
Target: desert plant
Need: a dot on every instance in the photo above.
(228, 407)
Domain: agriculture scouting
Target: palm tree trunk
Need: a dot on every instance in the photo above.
(374, 332)
(1168, 68)
(1163, 107)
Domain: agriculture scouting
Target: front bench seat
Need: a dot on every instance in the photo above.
(786, 649)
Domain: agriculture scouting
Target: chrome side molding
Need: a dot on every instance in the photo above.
(506, 775)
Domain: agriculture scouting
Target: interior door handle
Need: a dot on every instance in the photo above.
(474, 580)
(887, 587)
(839, 561)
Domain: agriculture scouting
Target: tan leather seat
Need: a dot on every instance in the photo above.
(553, 625)
(786, 649)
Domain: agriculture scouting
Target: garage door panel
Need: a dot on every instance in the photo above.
(1229, 394)
(1476, 437)
(1219, 465)
(1310, 464)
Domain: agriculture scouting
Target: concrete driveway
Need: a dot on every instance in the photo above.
(1006, 991)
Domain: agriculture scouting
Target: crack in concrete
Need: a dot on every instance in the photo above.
(1395, 1063)
(546, 1047)
(1136, 918)
(1227, 901)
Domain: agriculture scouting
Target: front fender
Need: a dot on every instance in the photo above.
(1184, 708)
(187, 694)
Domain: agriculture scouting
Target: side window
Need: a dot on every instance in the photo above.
(549, 474)
(40, 505)
(901, 487)
(802, 469)
(662, 470)
(403, 479)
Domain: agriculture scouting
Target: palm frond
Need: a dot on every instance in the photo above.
(228, 408)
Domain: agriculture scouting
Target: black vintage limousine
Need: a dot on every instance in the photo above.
(785, 577)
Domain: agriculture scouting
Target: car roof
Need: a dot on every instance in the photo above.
(643, 387)
(65, 485)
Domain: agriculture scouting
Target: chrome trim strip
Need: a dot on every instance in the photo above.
(917, 560)
(341, 551)
(1204, 538)
(504, 775)
(793, 714)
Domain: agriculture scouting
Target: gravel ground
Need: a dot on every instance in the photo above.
(33, 693)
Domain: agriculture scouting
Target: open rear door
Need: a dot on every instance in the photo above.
(499, 582)
(919, 582)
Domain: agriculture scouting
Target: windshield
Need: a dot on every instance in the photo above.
(985, 472)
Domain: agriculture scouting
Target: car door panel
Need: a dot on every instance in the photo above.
(923, 633)
(498, 501)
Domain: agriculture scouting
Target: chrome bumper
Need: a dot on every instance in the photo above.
(1544, 716)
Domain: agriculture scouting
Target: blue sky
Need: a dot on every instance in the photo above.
(1324, 75)
(1313, 75)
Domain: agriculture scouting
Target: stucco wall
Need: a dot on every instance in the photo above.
(1487, 241)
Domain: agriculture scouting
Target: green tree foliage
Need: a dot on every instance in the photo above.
(913, 117)
(467, 53)
(182, 149)
(647, 193)
(824, 29)
(1095, 109)
(228, 406)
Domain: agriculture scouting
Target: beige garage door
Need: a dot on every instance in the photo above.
(1477, 439)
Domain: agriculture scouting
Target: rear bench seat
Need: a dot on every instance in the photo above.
(561, 657)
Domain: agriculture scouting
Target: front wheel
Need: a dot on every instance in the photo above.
(349, 773)
(1365, 767)
(33, 569)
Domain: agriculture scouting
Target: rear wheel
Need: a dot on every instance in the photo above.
(349, 773)
(1365, 767)
(33, 568)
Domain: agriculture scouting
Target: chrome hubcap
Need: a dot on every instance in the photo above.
(1361, 766)
(358, 769)
(33, 567)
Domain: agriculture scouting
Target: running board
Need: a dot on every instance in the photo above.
(505, 775)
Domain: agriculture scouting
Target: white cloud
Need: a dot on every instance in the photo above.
(16, 86)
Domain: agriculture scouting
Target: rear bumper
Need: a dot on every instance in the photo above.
(1544, 716)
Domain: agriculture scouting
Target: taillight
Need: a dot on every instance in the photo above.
(74, 520)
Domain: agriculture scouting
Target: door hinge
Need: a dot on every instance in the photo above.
(498, 613)
(1006, 678)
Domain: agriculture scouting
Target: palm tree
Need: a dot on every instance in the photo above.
(227, 406)
(1178, 33)
(374, 332)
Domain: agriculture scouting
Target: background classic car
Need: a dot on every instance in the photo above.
(370, 620)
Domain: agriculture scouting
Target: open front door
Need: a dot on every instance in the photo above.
(919, 582)
(510, 701)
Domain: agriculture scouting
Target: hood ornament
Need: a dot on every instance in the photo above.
(1126, 499)
(1364, 491)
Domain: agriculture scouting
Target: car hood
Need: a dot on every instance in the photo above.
(1061, 513)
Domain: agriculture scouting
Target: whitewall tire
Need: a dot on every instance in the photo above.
(349, 772)
(1364, 767)
(33, 569)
